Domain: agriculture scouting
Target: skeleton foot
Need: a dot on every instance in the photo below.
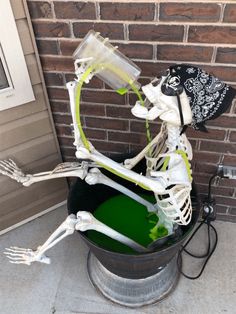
(18, 255)
(10, 169)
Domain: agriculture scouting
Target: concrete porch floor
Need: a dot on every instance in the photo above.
(64, 288)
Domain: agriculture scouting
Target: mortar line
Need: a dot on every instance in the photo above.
(213, 57)
(223, 5)
(174, 23)
(186, 30)
(157, 12)
(97, 11)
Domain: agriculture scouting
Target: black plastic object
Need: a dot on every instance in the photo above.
(88, 197)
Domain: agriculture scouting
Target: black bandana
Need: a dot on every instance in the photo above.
(209, 97)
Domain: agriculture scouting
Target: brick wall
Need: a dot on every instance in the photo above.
(154, 34)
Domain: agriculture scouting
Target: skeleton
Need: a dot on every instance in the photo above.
(168, 173)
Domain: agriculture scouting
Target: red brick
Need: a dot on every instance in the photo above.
(232, 211)
(66, 141)
(205, 168)
(226, 201)
(226, 148)
(223, 121)
(226, 55)
(62, 118)
(225, 73)
(119, 112)
(57, 106)
(57, 93)
(40, 9)
(111, 30)
(102, 123)
(184, 53)
(190, 12)
(53, 79)
(230, 160)
(213, 134)
(220, 191)
(95, 134)
(230, 13)
(212, 34)
(51, 29)
(75, 10)
(139, 127)
(111, 147)
(63, 130)
(135, 149)
(220, 209)
(102, 97)
(153, 69)
(57, 63)
(232, 136)
(136, 51)
(132, 138)
(201, 178)
(68, 47)
(158, 32)
(49, 47)
(206, 157)
(92, 109)
(227, 182)
(127, 11)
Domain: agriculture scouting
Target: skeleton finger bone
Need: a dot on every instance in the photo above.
(10, 169)
(25, 256)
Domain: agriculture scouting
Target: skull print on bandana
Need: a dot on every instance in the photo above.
(209, 97)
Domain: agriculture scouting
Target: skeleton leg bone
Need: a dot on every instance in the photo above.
(84, 221)
(88, 222)
(28, 256)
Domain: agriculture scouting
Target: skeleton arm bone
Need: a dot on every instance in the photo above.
(157, 186)
(84, 221)
(158, 183)
(73, 169)
(158, 139)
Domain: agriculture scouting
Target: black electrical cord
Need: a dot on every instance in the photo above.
(206, 221)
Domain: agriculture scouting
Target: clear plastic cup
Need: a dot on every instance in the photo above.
(110, 65)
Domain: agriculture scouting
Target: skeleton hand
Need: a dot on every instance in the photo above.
(144, 113)
(10, 169)
(25, 256)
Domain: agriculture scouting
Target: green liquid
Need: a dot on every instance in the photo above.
(126, 216)
(122, 91)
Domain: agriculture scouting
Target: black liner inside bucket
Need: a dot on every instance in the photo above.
(85, 197)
